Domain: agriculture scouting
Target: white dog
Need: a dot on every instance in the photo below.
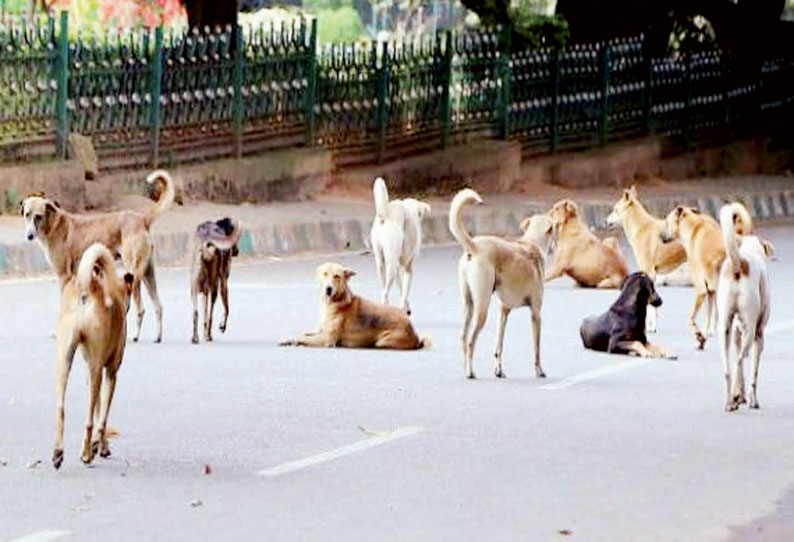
(396, 239)
(742, 303)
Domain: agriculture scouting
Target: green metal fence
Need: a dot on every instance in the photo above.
(157, 98)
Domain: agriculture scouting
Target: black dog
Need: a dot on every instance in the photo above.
(621, 330)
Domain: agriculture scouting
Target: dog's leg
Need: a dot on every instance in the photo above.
(480, 297)
(468, 310)
(95, 379)
(758, 348)
(660, 351)
(711, 315)
(379, 267)
(610, 283)
(500, 339)
(405, 286)
(319, 339)
(700, 338)
(535, 308)
(211, 311)
(738, 382)
(556, 271)
(194, 298)
(136, 297)
(108, 387)
(205, 309)
(225, 302)
(151, 287)
(725, 350)
(66, 351)
(390, 268)
(632, 348)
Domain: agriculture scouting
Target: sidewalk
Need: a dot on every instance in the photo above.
(340, 222)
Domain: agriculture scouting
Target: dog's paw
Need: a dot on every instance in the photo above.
(104, 451)
(195, 339)
(539, 373)
(731, 406)
(700, 340)
(288, 342)
(499, 373)
(222, 328)
(471, 375)
(57, 458)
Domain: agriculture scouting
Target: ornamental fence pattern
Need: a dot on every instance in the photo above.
(157, 97)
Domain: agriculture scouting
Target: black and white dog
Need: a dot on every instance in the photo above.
(621, 330)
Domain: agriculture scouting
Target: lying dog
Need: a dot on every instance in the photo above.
(701, 238)
(396, 237)
(743, 302)
(621, 330)
(64, 236)
(581, 255)
(514, 270)
(93, 316)
(643, 232)
(214, 245)
(354, 322)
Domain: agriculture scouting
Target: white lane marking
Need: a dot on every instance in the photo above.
(596, 373)
(330, 455)
(41, 536)
(782, 326)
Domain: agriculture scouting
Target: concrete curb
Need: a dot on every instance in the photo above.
(27, 259)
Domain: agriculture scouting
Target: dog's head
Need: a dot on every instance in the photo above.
(563, 211)
(40, 214)
(639, 286)
(333, 279)
(627, 199)
(674, 220)
(541, 230)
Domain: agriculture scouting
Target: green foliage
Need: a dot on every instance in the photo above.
(534, 31)
(339, 25)
(11, 200)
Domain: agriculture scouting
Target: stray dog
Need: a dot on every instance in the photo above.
(351, 321)
(702, 240)
(643, 232)
(64, 236)
(743, 303)
(581, 255)
(214, 245)
(621, 330)
(512, 269)
(93, 316)
(396, 237)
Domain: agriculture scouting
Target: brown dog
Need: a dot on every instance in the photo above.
(354, 322)
(64, 236)
(702, 240)
(581, 255)
(93, 316)
(214, 246)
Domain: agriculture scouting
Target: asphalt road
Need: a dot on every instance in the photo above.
(360, 445)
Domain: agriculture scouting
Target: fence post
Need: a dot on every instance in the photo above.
(603, 121)
(237, 106)
(647, 91)
(62, 78)
(311, 84)
(555, 91)
(687, 96)
(504, 75)
(446, 82)
(383, 113)
(155, 88)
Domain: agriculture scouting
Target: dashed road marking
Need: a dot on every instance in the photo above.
(360, 446)
(596, 373)
(41, 536)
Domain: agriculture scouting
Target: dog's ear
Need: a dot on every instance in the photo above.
(348, 273)
(525, 224)
(51, 207)
(570, 209)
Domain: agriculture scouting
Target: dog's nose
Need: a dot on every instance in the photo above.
(30, 237)
(657, 301)
(329, 291)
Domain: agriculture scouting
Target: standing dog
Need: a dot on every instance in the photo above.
(512, 269)
(581, 255)
(214, 245)
(396, 237)
(705, 251)
(65, 236)
(354, 322)
(643, 232)
(621, 330)
(93, 316)
(743, 302)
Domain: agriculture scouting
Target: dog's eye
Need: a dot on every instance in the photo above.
(337, 277)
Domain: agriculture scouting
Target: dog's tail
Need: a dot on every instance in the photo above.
(742, 221)
(425, 341)
(167, 194)
(97, 266)
(381, 198)
(730, 214)
(462, 199)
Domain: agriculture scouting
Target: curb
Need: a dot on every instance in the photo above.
(27, 259)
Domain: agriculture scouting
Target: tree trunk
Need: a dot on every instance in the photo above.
(211, 13)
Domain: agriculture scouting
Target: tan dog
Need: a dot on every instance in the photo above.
(512, 269)
(643, 232)
(581, 255)
(215, 243)
(701, 238)
(93, 316)
(351, 321)
(64, 236)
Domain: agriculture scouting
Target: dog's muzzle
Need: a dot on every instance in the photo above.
(665, 237)
(329, 291)
(656, 301)
(613, 219)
